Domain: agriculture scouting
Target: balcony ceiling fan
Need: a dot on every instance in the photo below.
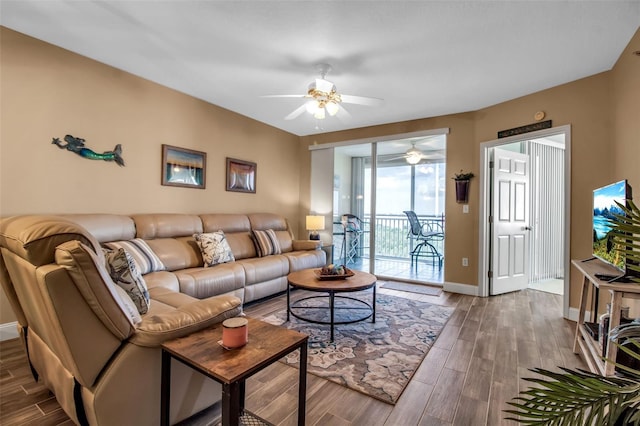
(414, 155)
(322, 98)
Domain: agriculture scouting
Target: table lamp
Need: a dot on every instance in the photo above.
(314, 224)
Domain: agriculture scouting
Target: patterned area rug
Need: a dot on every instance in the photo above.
(377, 359)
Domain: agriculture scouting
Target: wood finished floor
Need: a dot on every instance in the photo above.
(475, 365)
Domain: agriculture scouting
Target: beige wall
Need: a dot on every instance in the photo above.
(626, 118)
(585, 105)
(604, 114)
(48, 92)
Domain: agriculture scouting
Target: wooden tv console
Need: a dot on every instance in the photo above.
(584, 343)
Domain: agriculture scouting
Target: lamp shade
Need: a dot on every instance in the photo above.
(315, 223)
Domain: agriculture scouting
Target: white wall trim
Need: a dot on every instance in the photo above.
(8, 331)
(442, 131)
(470, 290)
(573, 314)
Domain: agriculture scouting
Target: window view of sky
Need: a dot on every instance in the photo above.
(394, 189)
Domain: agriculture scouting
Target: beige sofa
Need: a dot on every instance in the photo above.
(81, 336)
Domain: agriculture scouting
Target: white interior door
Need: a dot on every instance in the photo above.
(510, 242)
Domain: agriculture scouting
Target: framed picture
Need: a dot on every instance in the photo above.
(183, 167)
(241, 175)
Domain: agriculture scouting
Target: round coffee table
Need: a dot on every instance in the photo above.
(308, 280)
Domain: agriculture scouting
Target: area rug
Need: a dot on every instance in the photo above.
(377, 359)
(412, 288)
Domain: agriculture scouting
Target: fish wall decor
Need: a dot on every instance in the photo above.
(76, 145)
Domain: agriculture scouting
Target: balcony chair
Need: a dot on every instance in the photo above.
(425, 235)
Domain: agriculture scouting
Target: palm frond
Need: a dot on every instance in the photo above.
(574, 397)
(625, 229)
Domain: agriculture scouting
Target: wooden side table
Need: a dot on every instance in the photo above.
(583, 341)
(201, 351)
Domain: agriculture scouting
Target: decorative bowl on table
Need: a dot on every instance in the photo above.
(333, 272)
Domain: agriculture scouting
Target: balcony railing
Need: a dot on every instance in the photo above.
(392, 236)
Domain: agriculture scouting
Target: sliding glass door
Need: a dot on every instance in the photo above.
(373, 185)
(410, 177)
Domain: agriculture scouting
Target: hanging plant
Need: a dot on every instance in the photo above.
(462, 186)
(463, 175)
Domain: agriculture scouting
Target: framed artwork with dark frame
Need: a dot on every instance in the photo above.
(241, 175)
(183, 167)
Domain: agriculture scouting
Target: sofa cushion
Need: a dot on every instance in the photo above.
(260, 269)
(214, 247)
(35, 238)
(299, 260)
(266, 242)
(169, 297)
(105, 227)
(177, 253)
(146, 260)
(206, 282)
(263, 221)
(164, 279)
(157, 328)
(90, 276)
(236, 228)
(124, 273)
(166, 225)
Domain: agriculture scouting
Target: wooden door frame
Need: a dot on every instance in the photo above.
(484, 234)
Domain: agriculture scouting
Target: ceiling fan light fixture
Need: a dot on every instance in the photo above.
(414, 158)
(332, 108)
(413, 155)
(312, 106)
(322, 98)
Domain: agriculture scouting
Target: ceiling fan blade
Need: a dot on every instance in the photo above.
(343, 114)
(435, 154)
(394, 158)
(283, 96)
(296, 112)
(361, 100)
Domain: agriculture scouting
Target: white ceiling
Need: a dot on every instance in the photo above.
(424, 58)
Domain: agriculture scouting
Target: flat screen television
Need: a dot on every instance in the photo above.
(604, 208)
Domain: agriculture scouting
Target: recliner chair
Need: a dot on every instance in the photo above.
(82, 337)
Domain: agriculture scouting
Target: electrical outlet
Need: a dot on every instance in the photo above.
(465, 261)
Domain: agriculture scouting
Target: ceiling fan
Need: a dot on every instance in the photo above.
(323, 98)
(414, 155)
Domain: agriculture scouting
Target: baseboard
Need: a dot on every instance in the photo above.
(574, 314)
(8, 331)
(470, 290)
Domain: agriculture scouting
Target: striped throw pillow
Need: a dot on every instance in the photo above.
(145, 259)
(266, 242)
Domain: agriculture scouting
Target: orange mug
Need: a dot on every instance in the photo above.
(235, 332)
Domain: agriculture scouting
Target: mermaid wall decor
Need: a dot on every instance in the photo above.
(77, 145)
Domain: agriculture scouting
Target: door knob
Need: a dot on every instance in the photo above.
(526, 228)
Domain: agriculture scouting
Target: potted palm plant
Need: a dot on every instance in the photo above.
(462, 186)
(577, 397)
